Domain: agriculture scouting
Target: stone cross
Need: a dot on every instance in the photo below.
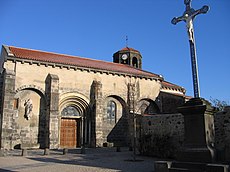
(188, 17)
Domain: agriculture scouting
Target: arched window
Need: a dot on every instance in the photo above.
(135, 62)
(70, 111)
(111, 110)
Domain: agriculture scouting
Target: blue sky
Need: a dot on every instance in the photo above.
(98, 28)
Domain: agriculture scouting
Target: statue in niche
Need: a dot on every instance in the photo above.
(28, 108)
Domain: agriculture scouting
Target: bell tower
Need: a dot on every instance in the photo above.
(128, 56)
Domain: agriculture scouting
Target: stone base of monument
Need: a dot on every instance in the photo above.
(199, 131)
(196, 155)
(169, 166)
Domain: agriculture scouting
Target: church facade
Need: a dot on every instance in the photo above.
(51, 100)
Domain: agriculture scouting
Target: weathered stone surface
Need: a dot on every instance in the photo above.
(7, 117)
(161, 134)
(222, 134)
(52, 94)
(197, 126)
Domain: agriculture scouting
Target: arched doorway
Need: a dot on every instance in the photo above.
(73, 129)
(70, 127)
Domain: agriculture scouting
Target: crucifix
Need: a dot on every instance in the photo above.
(188, 17)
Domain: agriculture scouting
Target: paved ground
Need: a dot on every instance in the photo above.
(94, 160)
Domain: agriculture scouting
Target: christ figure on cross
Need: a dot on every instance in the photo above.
(188, 17)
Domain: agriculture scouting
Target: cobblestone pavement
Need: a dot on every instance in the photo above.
(94, 160)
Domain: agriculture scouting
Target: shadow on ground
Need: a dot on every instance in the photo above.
(102, 158)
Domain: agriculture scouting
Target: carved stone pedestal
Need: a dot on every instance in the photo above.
(199, 131)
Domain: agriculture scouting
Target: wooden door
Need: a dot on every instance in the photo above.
(68, 133)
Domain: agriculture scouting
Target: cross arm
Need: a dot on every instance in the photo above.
(175, 20)
(192, 13)
(203, 10)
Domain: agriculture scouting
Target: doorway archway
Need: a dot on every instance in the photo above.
(73, 128)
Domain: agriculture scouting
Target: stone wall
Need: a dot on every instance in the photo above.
(17, 129)
(1, 104)
(29, 130)
(7, 112)
(79, 80)
(160, 135)
(222, 134)
(169, 103)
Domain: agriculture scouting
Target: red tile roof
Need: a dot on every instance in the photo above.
(49, 57)
(42, 56)
(170, 85)
(129, 49)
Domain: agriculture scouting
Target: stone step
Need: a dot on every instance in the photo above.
(183, 170)
(169, 166)
(199, 167)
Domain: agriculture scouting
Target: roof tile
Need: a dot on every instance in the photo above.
(77, 61)
(129, 49)
(49, 57)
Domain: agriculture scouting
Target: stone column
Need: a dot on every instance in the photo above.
(198, 129)
(7, 127)
(52, 94)
(97, 116)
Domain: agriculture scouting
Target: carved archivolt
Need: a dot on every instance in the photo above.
(76, 100)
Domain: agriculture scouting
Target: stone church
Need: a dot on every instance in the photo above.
(50, 100)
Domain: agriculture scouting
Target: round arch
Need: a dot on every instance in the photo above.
(135, 62)
(147, 106)
(119, 106)
(118, 129)
(118, 98)
(76, 100)
(74, 126)
(36, 115)
(35, 88)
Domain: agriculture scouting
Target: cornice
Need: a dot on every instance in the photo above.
(73, 67)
